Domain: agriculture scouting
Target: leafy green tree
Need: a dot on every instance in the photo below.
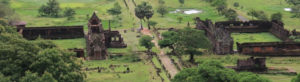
(19, 55)
(162, 10)
(236, 4)
(116, 10)
(208, 71)
(181, 2)
(296, 79)
(294, 2)
(51, 9)
(142, 11)
(3, 78)
(218, 2)
(277, 16)
(34, 77)
(190, 40)
(261, 15)
(49, 61)
(152, 23)
(146, 42)
(213, 71)
(221, 8)
(250, 77)
(169, 40)
(69, 13)
(185, 41)
(231, 14)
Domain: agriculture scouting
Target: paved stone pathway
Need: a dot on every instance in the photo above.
(166, 60)
(242, 18)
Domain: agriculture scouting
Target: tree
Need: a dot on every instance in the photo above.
(185, 41)
(231, 14)
(116, 10)
(294, 2)
(236, 4)
(169, 40)
(34, 77)
(146, 42)
(69, 13)
(181, 2)
(213, 71)
(3, 78)
(180, 18)
(250, 77)
(42, 59)
(208, 71)
(190, 40)
(296, 79)
(261, 15)
(142, 11)
(218, 2)
(152, 23)
(162, 10)
(277, 16)
(51, 9)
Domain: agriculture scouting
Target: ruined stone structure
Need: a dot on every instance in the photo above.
(79, 52)
(270, 48)
(220, 37)
(52, 32)
(98, 39)
(251, 64)
(220, 33)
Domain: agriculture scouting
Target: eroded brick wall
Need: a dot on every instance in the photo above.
(270, 48)
(52, 32)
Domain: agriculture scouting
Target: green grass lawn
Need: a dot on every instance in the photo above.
(253, 37)
(269, 7)
(28, 11)
(141, 72)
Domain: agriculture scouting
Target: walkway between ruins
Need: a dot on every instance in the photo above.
(166, 60)
(242, 18)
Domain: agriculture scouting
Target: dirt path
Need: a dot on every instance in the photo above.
(166, 60)
(242, 18)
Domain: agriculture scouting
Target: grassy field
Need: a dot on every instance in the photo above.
(269, 7)
(28, 11)
(142, 71)
(253, 37)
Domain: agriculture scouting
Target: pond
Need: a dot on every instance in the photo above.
(187, 11)
(287, 9)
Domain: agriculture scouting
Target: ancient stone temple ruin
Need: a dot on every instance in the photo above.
(98, 39)
(219, 34)
(251, 64)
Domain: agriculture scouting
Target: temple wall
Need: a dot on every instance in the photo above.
(53, 32)
(270, 48)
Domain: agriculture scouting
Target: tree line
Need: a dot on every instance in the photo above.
(33, 61)
(221, 6)
(52, 9)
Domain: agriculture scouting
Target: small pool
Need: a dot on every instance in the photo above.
(187, 11)
(287, 9)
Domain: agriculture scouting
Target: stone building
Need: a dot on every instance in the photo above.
(98, 39)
